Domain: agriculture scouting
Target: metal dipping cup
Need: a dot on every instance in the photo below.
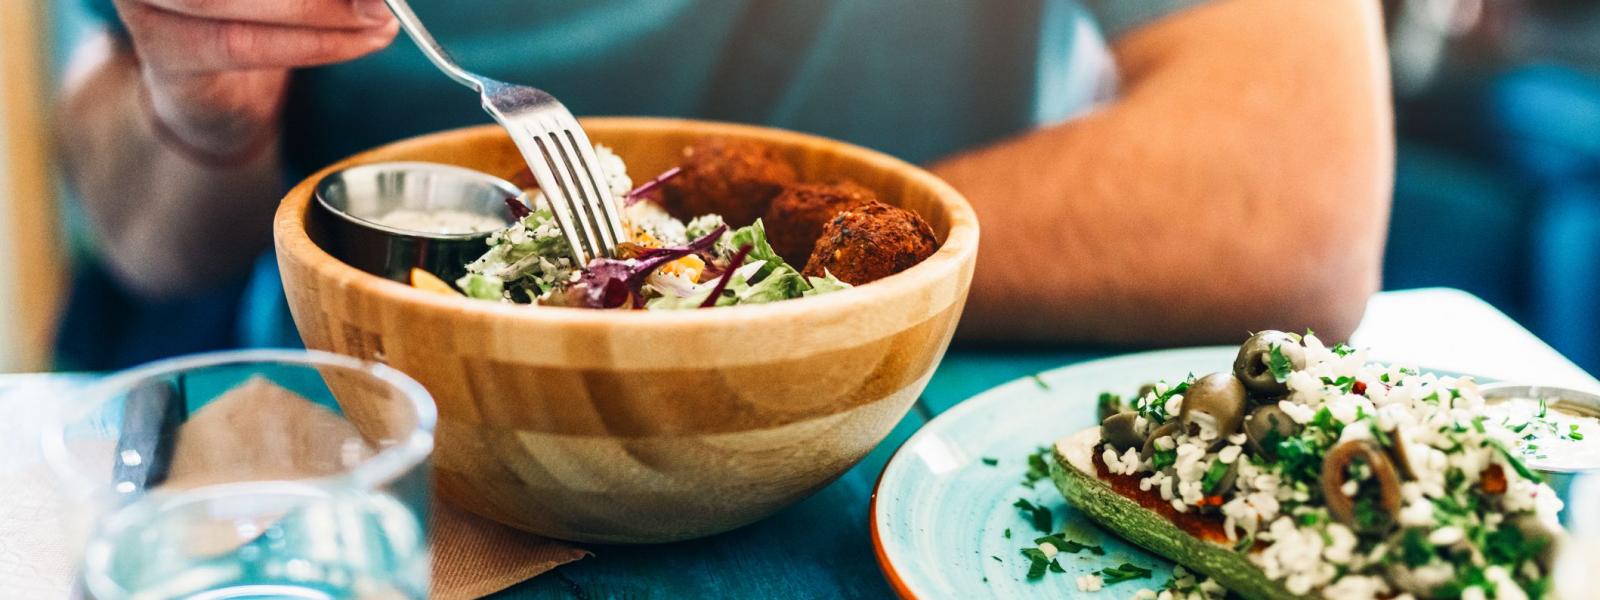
(351, 202)
(1560, 477)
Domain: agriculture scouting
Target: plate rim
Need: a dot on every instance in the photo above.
(896, 582)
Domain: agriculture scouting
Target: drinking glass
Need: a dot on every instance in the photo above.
(249, 474)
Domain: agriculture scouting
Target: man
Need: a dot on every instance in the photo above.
(1239, 180)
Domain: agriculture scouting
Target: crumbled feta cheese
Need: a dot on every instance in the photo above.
(1229, 454)
(1049, 550)
(1445, 536)
(1090, 583)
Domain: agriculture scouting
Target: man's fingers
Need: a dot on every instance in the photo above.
(175, 42)
(327, 14)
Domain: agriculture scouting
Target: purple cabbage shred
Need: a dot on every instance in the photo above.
(519, 211)
(722, 282)
(610, 282)
(638, 193)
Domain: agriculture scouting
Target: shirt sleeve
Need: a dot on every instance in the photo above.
(1118, 17)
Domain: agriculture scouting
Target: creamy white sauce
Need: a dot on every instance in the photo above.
(440, 221)
(1565, 438)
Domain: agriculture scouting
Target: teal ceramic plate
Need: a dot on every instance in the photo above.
(941, 512)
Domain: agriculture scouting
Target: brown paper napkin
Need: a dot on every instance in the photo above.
(474, 557)
(247, 429)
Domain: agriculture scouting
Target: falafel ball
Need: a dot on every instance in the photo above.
(870, 242)
(733, 178)
(797, 216)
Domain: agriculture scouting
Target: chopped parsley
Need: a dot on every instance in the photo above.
(1038, 466)
(1300, 459)
(1516, 463)
(1162, 459)
(1323, 419)
(1038, 563)
(1109, 404)
(1213, 477)
(1245, 543)
(1063, 544)
(1039, 381)
(1414, 548)
(991, 461)
(1123, 572)
(1343, 349)
(1154, 408)
(1008, 533)
(1279, 364)
(1344, 383)
(1040, 516)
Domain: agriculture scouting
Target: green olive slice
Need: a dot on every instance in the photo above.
(1335, 472)
(1216, 401)
(1122, 431)
(1402, 459)
(1259, 426)
(1170, 428)
(1253, 364)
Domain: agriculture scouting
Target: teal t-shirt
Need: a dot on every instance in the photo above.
(918, 79)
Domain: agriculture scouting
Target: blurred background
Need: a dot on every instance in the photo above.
(1497, 189)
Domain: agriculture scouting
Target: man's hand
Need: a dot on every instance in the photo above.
(216, 70)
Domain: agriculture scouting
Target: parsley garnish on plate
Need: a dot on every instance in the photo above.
(1060, 541)
(1123, 572)
(1039, 381)
(1038, 466)
(1038, 563)
(1038, 515)
(991, 461)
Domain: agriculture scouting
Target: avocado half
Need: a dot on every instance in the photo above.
(1071, 471)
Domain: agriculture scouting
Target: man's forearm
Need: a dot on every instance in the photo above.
(1240, 182)
(167, 221)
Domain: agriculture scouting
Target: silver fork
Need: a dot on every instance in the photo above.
(555, 146)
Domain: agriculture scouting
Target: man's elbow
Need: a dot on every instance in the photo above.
(1323, 286)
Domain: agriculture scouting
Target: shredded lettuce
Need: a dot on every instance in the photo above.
(754, 235)
(825, 284)
(529, 260)
(482, 287)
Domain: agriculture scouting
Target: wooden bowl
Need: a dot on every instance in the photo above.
(642, 426)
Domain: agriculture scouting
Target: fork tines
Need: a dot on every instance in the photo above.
(565, 164)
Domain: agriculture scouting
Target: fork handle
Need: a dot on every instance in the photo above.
(430, 47)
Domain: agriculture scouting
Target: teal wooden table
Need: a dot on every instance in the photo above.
(819, 548)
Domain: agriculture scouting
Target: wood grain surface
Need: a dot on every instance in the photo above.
(639, 426)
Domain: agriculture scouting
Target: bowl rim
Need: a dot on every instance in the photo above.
(958, 249)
